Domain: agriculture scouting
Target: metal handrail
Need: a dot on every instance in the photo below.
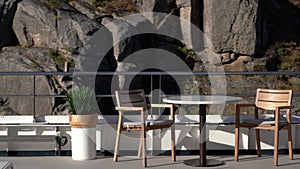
(157, 73)
(146, 73)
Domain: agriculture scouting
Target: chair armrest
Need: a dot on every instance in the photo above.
(161, 105)
(277, 114)
(130, 108)
(170, 106)
(141, 110)
(288, 113)
(284, 107)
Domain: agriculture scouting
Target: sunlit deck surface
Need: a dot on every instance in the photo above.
(157, 162)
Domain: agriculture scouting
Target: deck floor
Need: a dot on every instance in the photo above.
(155, 162)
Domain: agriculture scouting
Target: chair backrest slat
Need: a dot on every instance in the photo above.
(131, 98)
(270, 99)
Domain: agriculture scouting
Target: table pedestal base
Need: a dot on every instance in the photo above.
(209, 163)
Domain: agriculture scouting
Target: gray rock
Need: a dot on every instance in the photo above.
(183, 3)
(35, 24)
(58, 26)
(27, 60)
(86, 7)
(231, 25)
(227, 57)
(258, 64)
(123, 31)
(5, 109)
(146, 5)
(36, 58)
(74, 29)
(191, 11)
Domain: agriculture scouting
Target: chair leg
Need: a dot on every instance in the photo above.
(116, 154)
(143, 139)
(140, 145)
(119, 130)
(236, 146)
(276, 136)
(258, 142)
(173, 146)
(290, 141)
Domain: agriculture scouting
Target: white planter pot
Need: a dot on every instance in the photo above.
(83, 143)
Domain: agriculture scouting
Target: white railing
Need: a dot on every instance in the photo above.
(151, 74)
(221, 137)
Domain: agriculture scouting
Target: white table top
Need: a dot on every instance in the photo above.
(201, 99)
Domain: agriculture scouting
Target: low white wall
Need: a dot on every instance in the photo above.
(220, 132)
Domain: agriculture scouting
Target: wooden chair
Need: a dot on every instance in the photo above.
(266, 100)
(134, 101)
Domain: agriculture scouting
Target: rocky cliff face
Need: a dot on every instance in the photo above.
(47, 34)
(61, 27)
(235, 30)
(44, 34)
(15, 59)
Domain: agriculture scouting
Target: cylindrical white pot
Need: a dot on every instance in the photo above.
(83, 143)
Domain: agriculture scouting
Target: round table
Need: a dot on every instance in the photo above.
(202, 101)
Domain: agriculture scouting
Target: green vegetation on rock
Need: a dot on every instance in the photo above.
(189, 53)
(98, 2)
(58, 58)
(287, 55)
(55, 4)
(118, 7)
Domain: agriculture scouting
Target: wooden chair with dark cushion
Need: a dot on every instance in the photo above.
(267, 100)
(133, 102)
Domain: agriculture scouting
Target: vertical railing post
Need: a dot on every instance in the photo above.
(159, 94)
(34, 94)
(151, 89)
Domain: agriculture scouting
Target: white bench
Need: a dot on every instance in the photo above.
(43, 138)
(28, 129)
